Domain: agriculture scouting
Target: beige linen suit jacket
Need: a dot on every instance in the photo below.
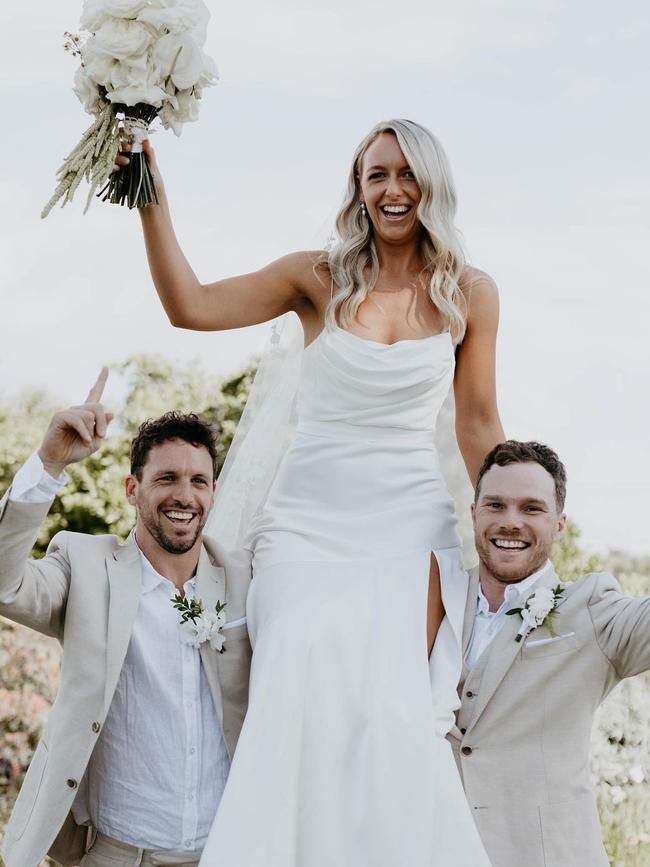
(85, 592)
(523, 730)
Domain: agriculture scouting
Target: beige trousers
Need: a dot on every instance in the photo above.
(106, 852)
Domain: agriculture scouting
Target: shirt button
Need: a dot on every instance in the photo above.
(466, 751)
(95, 727)
(188, 843)
(72, 783)
(470, 694)
(192, 751)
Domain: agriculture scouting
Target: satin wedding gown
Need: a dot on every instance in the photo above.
(342, 760)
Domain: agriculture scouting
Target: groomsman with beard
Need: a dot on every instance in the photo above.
(532, 681)
(137, 747)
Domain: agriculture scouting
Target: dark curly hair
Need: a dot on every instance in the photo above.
(172, 426)
(515, 452)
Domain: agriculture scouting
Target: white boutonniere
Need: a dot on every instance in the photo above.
(538, 610)
(198, 625)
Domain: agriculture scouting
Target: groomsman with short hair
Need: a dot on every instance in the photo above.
(137, 747)
(540, 656)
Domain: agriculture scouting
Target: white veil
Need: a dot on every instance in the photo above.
(262, 437)
(266, 429)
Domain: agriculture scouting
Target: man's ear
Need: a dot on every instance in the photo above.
(561, 524)
(473, 513)
(130, 488)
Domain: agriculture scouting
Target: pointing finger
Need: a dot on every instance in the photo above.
(95, 393)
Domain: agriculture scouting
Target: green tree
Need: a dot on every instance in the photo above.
(93, 501)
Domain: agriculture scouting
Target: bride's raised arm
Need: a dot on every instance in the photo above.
(230, 303)
(478, 426)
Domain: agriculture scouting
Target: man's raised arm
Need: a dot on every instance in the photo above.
(34, 592)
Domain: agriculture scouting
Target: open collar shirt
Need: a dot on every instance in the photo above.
(487, 623)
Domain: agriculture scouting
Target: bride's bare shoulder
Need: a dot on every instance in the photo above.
(473, 280)
(481, 294)
(309, 270)
(477, 286)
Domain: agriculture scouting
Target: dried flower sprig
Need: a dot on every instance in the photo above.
(92, 158)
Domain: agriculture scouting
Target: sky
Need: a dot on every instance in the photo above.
(542, 109)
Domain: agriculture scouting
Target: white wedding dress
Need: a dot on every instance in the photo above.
(342, 760)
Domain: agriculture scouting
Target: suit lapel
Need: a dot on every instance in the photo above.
(470, 610)
(124, 584)
(493, 665)
(210, 589)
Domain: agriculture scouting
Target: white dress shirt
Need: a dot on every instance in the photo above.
(158, 770)
(487, 623)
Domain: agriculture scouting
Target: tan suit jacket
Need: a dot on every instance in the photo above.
(85, 592)
(523, 731)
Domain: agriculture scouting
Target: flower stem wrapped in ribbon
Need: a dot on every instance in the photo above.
(140, 59)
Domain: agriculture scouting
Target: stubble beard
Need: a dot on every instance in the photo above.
(515, 573)
(169, 545)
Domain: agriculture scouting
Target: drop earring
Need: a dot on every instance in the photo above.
(363, 209)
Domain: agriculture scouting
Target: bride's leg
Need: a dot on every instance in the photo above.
(435, 608)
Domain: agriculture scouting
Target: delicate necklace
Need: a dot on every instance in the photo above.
(389, 289)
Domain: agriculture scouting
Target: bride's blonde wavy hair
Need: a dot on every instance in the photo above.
(353, 262)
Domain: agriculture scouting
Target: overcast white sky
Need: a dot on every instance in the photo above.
(542, 108)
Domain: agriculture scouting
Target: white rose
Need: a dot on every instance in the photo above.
(122, 38)
(132, 95)
(179, 56)
(188, 18)
(209, 72)
(168, 118)
(124, 74)
(528, 618)
(93, 15)
(99, 66)
(123, 8)
(636, 774)
(541, 602)
(87, 91)
(183, 105)
(217, 641)
(213, 623)
(192, 633)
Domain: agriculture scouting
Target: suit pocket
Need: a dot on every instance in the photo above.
(24, 805)
(545, 647)
(571, 834)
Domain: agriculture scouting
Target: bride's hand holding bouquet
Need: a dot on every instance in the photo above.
(140, 59)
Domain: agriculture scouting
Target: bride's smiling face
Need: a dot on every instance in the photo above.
(389, 190)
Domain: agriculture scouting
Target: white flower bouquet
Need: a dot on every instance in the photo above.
(140, 59)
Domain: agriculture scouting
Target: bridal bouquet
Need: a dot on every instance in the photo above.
(140, 59)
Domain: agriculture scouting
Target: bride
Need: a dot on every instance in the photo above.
(357, 601)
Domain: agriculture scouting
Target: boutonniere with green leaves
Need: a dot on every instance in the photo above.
(198, 625)
(538, 610)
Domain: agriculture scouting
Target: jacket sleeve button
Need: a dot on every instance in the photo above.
(95, 727)
(72, 784)
(463, 731)
(470, 694)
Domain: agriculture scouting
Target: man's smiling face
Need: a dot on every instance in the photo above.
(516, 520)
(174, 494)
